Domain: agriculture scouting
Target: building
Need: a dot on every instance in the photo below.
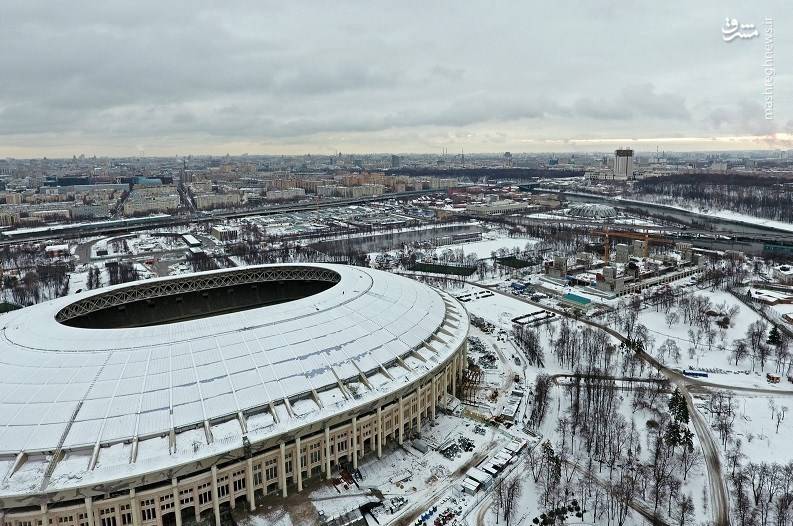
(364, 190)
(557, 269)
(190, 240)
(595, 211)
(686, 251)
(224, 233)
(8, 218)
(13, 198)
(57, 251)
(623, 253)
(146, 200)
(328, 190)
(53, 214)
(210, 201)
(90, 211)
(165, 411)
(505, 206)
(784, 274)
(286, 194)
(576, 302)
(623, 164)
(608, 281)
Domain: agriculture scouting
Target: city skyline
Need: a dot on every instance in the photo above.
(131, 80)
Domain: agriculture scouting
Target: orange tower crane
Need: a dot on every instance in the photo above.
(628, 234)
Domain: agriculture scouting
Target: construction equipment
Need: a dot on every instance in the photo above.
(628, 234)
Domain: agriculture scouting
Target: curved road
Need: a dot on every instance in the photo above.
(720, 505)
(717, 484)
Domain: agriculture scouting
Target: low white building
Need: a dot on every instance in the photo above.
(784, 274)
(505, 206)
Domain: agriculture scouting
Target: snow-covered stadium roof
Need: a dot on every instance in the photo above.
(191, 389)
(592, 210)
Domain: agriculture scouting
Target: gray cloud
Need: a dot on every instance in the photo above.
(634, 101)
(180, 74)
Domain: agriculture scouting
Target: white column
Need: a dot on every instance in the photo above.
(401, 421)
(249, 486)
(282, 469)
(327, 451)
(434, 394)
(215, 499)
(177, 502)
(136, 508)
(89, 510)
(419, 404)
(44, 520)
(454, 379)
(379, 432)
(355, 442)
(298, 468)
(465, 352)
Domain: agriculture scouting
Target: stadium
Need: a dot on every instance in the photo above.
(179, 398)
(592, 211)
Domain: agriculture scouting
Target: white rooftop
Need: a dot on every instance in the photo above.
(73, 388)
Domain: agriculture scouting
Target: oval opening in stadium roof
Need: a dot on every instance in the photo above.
(145, 304)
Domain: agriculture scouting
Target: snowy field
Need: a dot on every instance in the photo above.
(79, 278)
(135, 245)
(713, 355)
(490, 243)
(755, 425)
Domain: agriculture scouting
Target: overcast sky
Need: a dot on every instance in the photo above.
(164, 78)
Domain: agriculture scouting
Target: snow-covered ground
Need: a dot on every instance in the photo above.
(757, 428)
(135, 244)
(715, 355)
(715, 358)
(727, 214)
(424, 479)
(492, 242)
(79, 278)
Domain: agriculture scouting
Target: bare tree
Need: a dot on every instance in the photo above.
(672, 318)
(542, 387)
(684, 510)
(511, 498)
(755, 335)
(779, 416)
(740, 350)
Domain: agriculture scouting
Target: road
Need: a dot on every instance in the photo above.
(716, 482)
(720, 507)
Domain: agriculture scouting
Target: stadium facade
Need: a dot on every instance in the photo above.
(151, 403)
